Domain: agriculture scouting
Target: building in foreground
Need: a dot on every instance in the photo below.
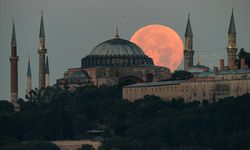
(210, 86)
(112, 62)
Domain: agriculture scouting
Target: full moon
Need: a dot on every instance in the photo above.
(161, 43)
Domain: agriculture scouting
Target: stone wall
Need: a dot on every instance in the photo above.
(210, 88)
(74, 145)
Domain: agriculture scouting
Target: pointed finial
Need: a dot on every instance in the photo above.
(13, 38)
(42, 32)
(117, 33)
(188, 32)
(232, 29)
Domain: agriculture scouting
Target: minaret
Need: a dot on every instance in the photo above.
(42, 51)
(231, 48)
(29, 79)
(47, 72)
(188, 51)
(14, 70)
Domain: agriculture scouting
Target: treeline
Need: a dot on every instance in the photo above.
(147, 124)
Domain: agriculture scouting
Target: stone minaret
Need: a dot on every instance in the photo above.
(42, 51)
(188, 51)
(14, 71)
(47, 72)
(29, 79)
(231, 48)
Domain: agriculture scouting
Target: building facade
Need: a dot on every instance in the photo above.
(205, 86)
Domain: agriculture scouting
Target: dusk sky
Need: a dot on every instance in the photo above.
(74, 27)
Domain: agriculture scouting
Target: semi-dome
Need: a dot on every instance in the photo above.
(117, 46)
(116, 52)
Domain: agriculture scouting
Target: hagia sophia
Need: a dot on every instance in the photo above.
(118, 60)
(114, 61)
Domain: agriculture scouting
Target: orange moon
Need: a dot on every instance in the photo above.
(161, 43)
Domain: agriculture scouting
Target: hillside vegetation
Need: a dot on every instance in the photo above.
(147, 124)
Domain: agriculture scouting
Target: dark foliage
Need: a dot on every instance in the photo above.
(181, 75)
(147, 124)
(245, 55)
(13, 144)
(86, 147)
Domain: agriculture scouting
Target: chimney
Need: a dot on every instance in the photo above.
(243, 64)
(216, 69)
(221, 64)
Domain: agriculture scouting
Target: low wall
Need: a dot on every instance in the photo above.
(74, 145)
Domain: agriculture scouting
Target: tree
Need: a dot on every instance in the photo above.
(86, 147)
(245, 55)
(31, 145)
(181, 75)
(149, 123)
(40, 145)
(4, 140)
(6, 107)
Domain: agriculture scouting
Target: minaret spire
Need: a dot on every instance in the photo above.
(42, 51)
(188, 28)
(14, 70)
(13, 38)
(232, 29)
(42, 32)
(47, 72)
(231, 47)
(188, 51)
(28, 78)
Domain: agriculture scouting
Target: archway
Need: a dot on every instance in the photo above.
(127, 80)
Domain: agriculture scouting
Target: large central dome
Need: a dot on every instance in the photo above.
(116, 52)
(117, 47)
